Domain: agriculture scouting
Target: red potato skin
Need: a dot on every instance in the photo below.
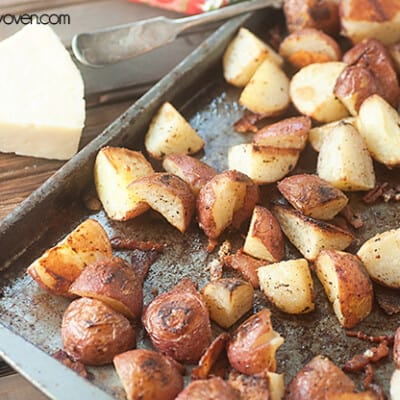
(94, 333)
(178, 323)
(148, 375)
(396, 348)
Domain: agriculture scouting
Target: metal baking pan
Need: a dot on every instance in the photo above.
(31, 318)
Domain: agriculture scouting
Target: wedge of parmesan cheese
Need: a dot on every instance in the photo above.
(42, 109)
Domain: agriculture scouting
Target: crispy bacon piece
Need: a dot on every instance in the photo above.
(76, 366)
(372, 386)
(374, 339)
(352, 218)
(142, 261)
(373, 195)
(372, 355)
(119, 243)
(248, 122)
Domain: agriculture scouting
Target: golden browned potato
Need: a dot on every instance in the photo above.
(319, 14)
(114, 169)
(227, 300)
(59, 266)
(227, 199)
(346, 284)
(114, 282)
(148, 375)
(350, 396)
(311, 91)
(395, 384)
(381, 257)
(318, 378)
(209, 389)
(276, 385)
(378, 19)
(170, 133)
(94, 333)
(309, 235)
(253, 345)
(169, 195)
(288, 285)
(193, 171)
(308, 46)
(264, 238)
(313, 196)
(289, 133)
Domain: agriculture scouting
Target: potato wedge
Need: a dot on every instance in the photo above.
(308, 46)
(379, 125)
(289, 133)
(394, 51)
(227, 300)
(193, 171)
(379, 19)
(263, 164)
(267, 92)
(346, 284)
(169, 195)
(264, 239)
(244, 55)
(350, 396)
(227, 199)
(395, 385)
(311, 91)
(58, 267)
(114, 169)
(344, 160)
(381, 257)
(313, 196)
(251, 387)
(309, 235)
(276, 385)
(288, 285)
(170, 133)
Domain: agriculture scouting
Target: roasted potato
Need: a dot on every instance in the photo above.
(251, 387)
(288, 285)
(264, 238)
(394, 51)
(379, 125)
(193, 171)
(395, 385)
(263, 164)
(344, 160)
(114, 169)
(114, 282)
(276, 385)
(311, 91)
(227, 300)
(148, 375)
(318, 378)
(381, 257)
(308, 46)
(346, 284)
(170, 133)
(169, 195)
(350, 396)
(289, 133)
(253, 345)
(243, 56)
(94, 333)
(227, 199)
(309, 235)
(267, 92)
(58, 267)
(396, 348)
(313, 196)
(378, 19)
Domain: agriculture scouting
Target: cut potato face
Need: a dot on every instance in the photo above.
(379, 125)
(264, 239)
(395, 385)
(168, 195)
(59, 266)
(309, 235)
(313, 196)
(243, 56)
(228, 300)
(381, 257)
(346, 284)
(267, 92)
(170, 133)
(114, 169)
(344, 160)
(311, 91)
(276, 385)
(263, 164)
(288, 285)
(309, 46)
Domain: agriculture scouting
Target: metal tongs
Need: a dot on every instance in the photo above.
(110, 45)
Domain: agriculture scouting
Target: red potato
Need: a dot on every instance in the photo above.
(94, 333)
(209, 389)
(148, 375)
(251, 387)
(396, 348)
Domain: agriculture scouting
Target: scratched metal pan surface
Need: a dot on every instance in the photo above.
(197, 88)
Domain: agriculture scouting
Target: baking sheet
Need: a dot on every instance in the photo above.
(198, 90)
